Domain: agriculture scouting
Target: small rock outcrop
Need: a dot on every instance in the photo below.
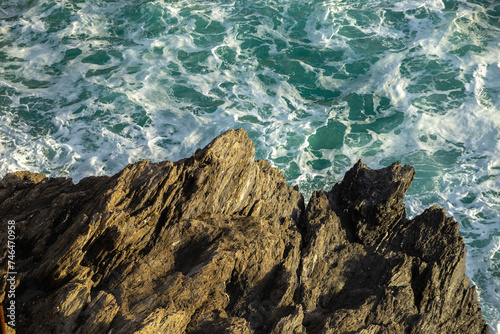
(220, 243)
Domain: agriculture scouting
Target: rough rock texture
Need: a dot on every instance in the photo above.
(219, 243)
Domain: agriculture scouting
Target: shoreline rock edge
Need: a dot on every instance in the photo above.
(220, 243)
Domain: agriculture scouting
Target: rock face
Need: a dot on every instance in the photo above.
(219, 243)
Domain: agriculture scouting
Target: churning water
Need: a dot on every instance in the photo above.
(87, 87)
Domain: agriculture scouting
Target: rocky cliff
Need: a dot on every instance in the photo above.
(220, 243)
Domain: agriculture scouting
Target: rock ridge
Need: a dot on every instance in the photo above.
(220, 243)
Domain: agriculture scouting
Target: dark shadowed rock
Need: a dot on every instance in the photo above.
(366, 268)
(219, 243)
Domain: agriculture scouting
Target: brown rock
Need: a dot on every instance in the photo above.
(220, 243)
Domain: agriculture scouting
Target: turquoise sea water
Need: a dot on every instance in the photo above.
(87, 87)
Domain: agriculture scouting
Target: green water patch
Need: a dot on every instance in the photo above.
(294, 22)
(221, 94)
(471, 36)
(153, 20)
(108, 96)
(438, 103)
(58, 19)
(227, 55)
(186, 93)
(330, 136)
(494, 269)
(206, 32)
(326, 56)
(35, 84)
(49, 153)
(307, 54)
(341, 162)
(52, 70)
(206, 26)
(141, 117)
(71, 54)
(200, 102)
(248, 27)
(118, 31)
(80, 110)
(291, 171)
(5, 101)
(447, 158)
(283, 159)
(431, 100)
(494, 12)
(436, 86)
(120, 129)
(468, 198)
(358, 139)
(481, 242)
(447, 82)
(7, 91)
(38, 103)
(316, 153)
(173, 68)
(364, 18)
(427, 138)
(260, 49)
(98, 58)
(105, 72)
(463, 50)
(424, 13)
(4, 58)
(366, 113)
(294, 71)
(115, 112)
(395, 19)
(489, 97)
(357, 68)
(360, 106)
(38, 124)
(84, 95)
(194, 62)
(319, 164)
(416, 62)
(320, 96)
(352, 32)
(267, 80)
(293, 141)
(204, 41)
(373, 45)
(252, 119)
(167, 142)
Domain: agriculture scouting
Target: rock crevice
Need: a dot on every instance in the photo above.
(220, 243)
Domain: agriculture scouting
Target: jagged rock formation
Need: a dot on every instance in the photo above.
(219, 243)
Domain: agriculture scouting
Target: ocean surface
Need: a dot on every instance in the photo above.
(87, 87)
